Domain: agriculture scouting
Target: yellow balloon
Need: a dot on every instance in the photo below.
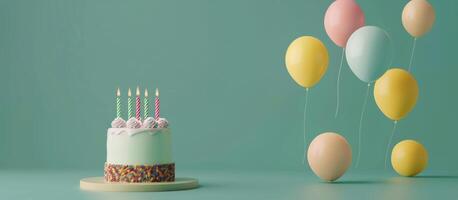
(418, 17)
(306, 60)
(409, 158)
(396, 93)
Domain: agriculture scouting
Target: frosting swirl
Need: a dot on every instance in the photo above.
(133, 123)
(162, 123)
(149, 123)
(118, 123)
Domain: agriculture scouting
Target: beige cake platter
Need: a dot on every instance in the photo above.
(99, 184)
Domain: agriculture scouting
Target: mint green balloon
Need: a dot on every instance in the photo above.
(369, 53)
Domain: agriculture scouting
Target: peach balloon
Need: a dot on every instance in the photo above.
(329, 156)
(342, 19)
(418, 17)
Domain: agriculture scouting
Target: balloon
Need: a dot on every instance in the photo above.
(396, 93)
(329, 156)
(418, 17)
(342, 19)
(369, 52)
(409, 158)
(306, 60)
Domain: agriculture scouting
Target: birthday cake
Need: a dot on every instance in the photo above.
(139, 150)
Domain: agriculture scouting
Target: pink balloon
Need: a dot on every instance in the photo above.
(342, 18)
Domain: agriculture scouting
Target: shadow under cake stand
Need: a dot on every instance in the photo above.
(99, 184)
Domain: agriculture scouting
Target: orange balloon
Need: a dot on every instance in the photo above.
(418, 17)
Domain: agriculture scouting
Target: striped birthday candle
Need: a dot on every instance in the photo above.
(157, 105)
(146, 105)
(118, 104)
(129, 104)
(137, 104)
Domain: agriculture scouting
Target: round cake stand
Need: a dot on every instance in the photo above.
(99, 184)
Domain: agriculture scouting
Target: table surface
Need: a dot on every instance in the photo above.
(60, 184)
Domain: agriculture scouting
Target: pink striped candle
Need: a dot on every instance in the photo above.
(137, 104)
(157, 103)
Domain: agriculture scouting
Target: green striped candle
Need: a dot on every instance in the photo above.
(146, 105)
(118, 104)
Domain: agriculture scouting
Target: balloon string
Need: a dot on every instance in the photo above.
(389, 142)
(305, 115)
(413, 50)
(338, 85)
(363, 110)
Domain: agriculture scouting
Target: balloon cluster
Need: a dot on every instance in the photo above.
(368, 51)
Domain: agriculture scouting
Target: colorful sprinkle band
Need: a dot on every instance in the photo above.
(139, 173)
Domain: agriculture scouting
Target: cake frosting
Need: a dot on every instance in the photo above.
(149, 122)
(133, 123)
(139, 146)
(118, 123)
(162, 123)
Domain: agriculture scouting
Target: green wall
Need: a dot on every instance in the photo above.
(224, 87)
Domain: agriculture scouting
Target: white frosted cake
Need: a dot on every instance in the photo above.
(143, 146)
(139, 151)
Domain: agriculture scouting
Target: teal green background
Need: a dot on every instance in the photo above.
(224, 87)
